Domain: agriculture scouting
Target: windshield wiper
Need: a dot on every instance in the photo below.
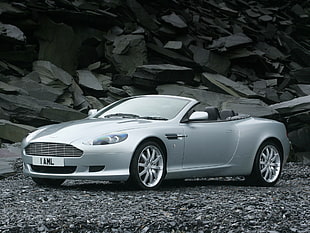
(123, 115)
(154, 118)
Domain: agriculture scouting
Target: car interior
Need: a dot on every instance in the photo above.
(214, 114)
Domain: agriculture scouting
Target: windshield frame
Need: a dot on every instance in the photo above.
(172, 110)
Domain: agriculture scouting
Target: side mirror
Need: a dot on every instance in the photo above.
(199, 116)
(92, 112)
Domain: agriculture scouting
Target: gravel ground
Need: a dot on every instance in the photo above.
(216, 205)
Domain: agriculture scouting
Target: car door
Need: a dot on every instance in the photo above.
(209, 144)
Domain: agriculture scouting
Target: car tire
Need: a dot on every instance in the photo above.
(148, 166)
(48, 182)
(267, 166)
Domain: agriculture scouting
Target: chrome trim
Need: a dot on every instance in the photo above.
(52, 149)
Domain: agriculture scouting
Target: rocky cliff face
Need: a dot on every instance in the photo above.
(60, 58)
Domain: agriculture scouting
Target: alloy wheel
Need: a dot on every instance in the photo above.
(150, 166)
(270, 163)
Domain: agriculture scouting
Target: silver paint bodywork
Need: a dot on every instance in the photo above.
(193, 148)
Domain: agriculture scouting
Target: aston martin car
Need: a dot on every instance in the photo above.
(143, 140)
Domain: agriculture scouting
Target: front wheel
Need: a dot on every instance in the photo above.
(267, 165)
(48, 182)
(148, 166)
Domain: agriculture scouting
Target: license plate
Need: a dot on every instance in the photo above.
(48, 161)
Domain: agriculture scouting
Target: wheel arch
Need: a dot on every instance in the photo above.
(149, 139)
(154, 139)
(268, 139)
(277, 142)
(132, 176)
(257, 179)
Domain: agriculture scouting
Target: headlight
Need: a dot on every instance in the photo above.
(108, 139)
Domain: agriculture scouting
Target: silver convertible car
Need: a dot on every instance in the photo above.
(143, 140)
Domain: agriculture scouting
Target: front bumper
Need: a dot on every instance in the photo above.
(108, 163)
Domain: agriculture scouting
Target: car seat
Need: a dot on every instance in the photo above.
(226, 114)
(213, 113)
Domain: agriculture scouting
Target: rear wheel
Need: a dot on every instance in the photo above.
(267, 165)
(148, 166)
(48, 182)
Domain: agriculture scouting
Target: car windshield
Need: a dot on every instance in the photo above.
(154, 108)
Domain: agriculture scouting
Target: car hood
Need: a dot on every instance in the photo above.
(69, 132)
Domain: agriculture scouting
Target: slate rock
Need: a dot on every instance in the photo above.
(299, 11)
(134, 91)
(49, 73)
(6, 67)
(272, 95)
(253, 107)
(79, 99)
(20, 55)
(302, 75)
(207, 98)
(270, 51)
(172, 56)
(34, 76)
(121, 47)
(143, 17)
(4, 115)
(88, 53)
(94, 102)
(152, 75)
(301, 55)
(298, 52)
(108, 100)
(296, 105)
(94, 66)
(127, 52)
(89, 80)
(10, 9)
(19, 104)
(60, 113)
(209, 60)
(11, 33)
(119, 80)
(66, 99)
(221, 83)
(298, 120)
(286, 96)
(259, 87)
(167, 32)
(32, 111)
(252, 13)
(174, 45)
(37, 90)
(304, 158)
(265, 18)
(229, 42)
(301, 89)
(11, 89)
(300, 138)
(14, 132)
(228, 11)
(104, 80)
(6, 168)
(117, 92)
(174, 20)
(58, 44)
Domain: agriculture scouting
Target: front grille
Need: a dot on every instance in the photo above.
(53, 170)
(52, 149)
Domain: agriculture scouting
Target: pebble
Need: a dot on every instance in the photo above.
(219, 205)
